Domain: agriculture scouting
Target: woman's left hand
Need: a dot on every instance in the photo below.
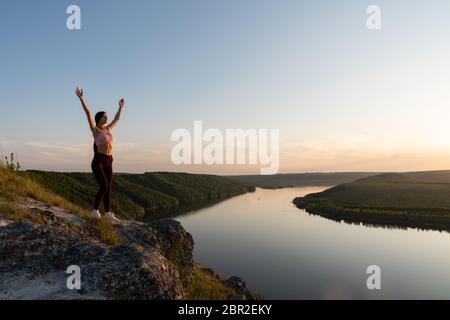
(121, 103)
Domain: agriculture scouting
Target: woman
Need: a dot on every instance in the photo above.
(102, 163)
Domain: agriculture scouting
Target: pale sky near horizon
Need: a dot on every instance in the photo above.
(344, 98)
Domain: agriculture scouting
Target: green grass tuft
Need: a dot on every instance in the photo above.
(204, 286)
(104, 231)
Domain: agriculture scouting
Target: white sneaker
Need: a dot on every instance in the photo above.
(95, 214)
(112, 218)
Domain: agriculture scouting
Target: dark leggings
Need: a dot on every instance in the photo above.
(102, 168)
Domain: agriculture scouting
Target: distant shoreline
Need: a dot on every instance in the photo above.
(382, 217)
(404, 200)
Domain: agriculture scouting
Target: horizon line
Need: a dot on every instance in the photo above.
(262, 175)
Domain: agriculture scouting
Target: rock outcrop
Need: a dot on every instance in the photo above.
(153, 261)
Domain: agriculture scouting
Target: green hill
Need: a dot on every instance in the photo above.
(442, 176)
(143, 196)
(410, 199)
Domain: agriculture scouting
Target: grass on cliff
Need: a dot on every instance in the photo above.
(105, 232)
(204, 286)
(14, 213)
(15, 185)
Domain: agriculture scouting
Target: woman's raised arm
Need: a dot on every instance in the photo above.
(79, 93)
(118, 114)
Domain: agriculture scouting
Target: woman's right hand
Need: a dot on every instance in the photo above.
(79, 92)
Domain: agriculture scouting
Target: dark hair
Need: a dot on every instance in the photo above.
(98, 117)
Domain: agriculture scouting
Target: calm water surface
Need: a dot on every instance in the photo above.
(284, 253)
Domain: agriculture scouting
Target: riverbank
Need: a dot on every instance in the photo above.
(398, 200)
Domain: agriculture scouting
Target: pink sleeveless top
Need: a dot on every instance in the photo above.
(103, 137)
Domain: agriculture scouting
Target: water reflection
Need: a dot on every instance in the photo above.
(392, 226)
(285, 253)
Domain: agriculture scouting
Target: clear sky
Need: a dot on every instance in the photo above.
(345, 98)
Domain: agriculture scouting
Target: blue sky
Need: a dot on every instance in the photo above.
(345, 98)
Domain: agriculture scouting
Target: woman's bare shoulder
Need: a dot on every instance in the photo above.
(94, 130)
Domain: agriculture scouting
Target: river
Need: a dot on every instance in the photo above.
(283, 252)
